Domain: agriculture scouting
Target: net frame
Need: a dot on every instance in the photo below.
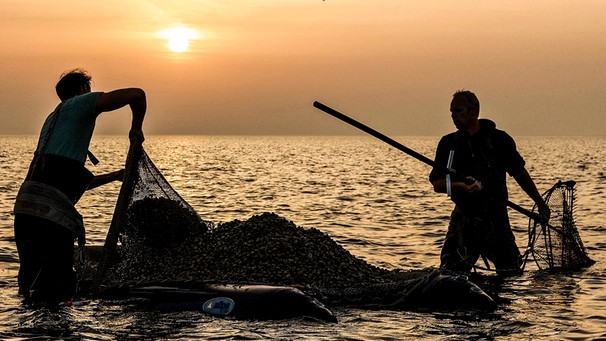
(557, 245)
(119, 216)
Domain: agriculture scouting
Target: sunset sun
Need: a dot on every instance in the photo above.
(179, 38)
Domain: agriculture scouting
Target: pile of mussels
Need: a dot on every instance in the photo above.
(265, 249)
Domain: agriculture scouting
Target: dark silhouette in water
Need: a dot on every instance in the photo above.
(479, 224)
(46, 221)
(249, 302)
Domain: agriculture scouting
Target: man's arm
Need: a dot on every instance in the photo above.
(470, 186)
(100, 180)
(437, 177)
(133, 97)
(527, 184)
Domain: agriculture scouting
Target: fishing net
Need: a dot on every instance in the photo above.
(155, 213)
(152, 212)
(149, 213)
(156, 238)
(558, 245)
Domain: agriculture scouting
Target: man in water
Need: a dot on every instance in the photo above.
(479, 223)
(46, 221)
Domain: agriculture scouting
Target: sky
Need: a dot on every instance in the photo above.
(255, 67)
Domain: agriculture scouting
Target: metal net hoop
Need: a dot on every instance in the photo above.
(557, 245)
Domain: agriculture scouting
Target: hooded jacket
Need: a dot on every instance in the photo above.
(486, 156)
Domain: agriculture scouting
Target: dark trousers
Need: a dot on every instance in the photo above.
(469, 237)
(46, 253)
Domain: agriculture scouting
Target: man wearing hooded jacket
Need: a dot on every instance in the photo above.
(479, 224)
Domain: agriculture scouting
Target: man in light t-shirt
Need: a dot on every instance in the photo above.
(46, 221)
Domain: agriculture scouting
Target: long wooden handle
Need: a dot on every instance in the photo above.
(410, 152)
(130, 176)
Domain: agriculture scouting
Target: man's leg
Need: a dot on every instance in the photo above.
(46, 259)
(507, 257)
(458, 254)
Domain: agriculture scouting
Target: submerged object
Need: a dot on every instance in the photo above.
(219, 306)
(248, 302)
(437, 290)
(447, 291)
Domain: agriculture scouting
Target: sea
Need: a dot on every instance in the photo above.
(369, 197)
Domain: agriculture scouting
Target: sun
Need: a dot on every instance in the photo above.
(178, 38)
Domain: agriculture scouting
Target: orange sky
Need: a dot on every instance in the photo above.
(257, 66)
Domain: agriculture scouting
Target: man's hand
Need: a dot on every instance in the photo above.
(136, 136)
(472, 185)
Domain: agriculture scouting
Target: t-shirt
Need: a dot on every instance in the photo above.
(73, 128)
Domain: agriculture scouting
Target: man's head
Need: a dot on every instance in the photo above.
(73, 83)
(465, 109)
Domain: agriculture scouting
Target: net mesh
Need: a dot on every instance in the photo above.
(149, 214)
(155, 213)
(558, 245)
(157, 237)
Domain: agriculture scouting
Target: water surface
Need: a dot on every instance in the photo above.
(369, 197)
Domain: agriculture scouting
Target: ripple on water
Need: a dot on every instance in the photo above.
(389, 203)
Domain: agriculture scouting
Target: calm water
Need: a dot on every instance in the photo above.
(374, 200)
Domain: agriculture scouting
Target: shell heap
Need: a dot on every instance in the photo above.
(265, 249)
